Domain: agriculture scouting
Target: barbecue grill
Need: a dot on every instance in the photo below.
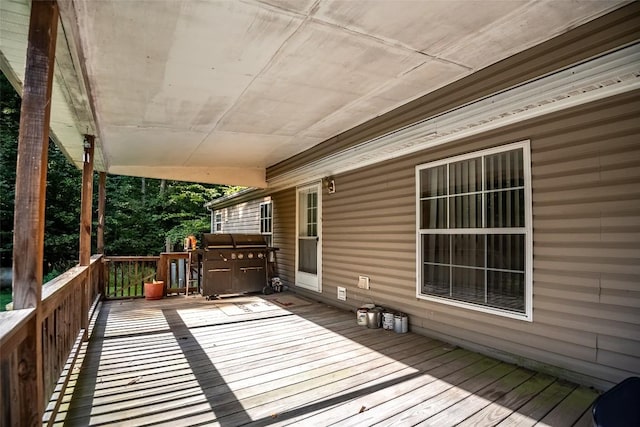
(233, 263)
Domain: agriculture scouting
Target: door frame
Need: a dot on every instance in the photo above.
(299, 275)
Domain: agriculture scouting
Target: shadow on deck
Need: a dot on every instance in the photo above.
(281, 360)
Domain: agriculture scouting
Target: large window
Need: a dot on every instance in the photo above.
(266, 222)
(474, 231)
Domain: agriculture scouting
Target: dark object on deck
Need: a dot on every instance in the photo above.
(234, 263)
(619, 406)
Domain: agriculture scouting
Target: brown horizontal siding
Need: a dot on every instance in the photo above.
(615, 29)
(284, 233)
(241, 218)
(586, 199)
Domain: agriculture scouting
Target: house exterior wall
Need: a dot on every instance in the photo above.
(585, 166)
(243, 217)
(586, 221)
(609, 32)
(284, 233)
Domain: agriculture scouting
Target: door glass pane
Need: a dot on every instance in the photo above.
(308, 228)
(312, 214)
(308, 255)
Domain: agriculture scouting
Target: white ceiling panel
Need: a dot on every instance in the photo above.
(186, 87)
(150, 146)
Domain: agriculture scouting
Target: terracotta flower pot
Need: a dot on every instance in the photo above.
(154, 290)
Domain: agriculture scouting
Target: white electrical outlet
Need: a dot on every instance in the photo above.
(342, 293)
(363, 282)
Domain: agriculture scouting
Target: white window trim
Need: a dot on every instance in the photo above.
(299, 283)
(527, 231)
(216, 222)
(270, 233)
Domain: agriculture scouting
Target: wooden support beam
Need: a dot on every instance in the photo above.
(31, 180)
(86, 201)
(102, 200)
(31, 167)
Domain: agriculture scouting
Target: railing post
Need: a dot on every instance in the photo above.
(31, 178)
(85, 227)
(101, 277)
(86, 199)
(161, 271)
(102, 200)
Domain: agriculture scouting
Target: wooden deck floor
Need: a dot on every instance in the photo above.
(283, 360)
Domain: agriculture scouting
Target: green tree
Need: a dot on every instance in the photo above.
(180, 212)
(9, 124)
(62, 214)
(62, 197)
(140, 213)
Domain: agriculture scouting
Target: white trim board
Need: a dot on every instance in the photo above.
(605, 76)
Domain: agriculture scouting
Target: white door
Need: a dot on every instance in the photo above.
(309, 238)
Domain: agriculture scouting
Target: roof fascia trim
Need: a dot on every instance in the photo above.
(607, 75)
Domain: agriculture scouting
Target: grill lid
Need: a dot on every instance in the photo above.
(215, 241)
(249, 240)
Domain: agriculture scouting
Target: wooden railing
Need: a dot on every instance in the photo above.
(60, 322)
(125, 275)
(178, 270)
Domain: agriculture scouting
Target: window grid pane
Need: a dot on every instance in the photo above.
(487, 269)
(266, 219)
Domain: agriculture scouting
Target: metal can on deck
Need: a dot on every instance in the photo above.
(388, 320)
(400, 323)
(361, 316)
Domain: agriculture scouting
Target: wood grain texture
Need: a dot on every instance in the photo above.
(585, 269)
(102, 201)
(188, 361)
(31, 167)
(86, 201)
(25, 367)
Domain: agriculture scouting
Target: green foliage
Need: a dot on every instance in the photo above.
(9, 123)
(5, 298)
(193, 226)
(140, 217)
(62, 214)
(51, 275)
(140, 213)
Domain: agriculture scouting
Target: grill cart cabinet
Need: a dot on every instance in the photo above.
(233, 263)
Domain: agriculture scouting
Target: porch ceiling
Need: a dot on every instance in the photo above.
(217, 91)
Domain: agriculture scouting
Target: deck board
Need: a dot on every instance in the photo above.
(250, 361)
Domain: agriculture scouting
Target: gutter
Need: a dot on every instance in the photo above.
(247, 194)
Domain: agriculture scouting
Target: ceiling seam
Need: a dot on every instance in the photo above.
(258, 74)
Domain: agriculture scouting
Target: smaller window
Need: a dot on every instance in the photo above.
(217, 223)
(266, 222)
